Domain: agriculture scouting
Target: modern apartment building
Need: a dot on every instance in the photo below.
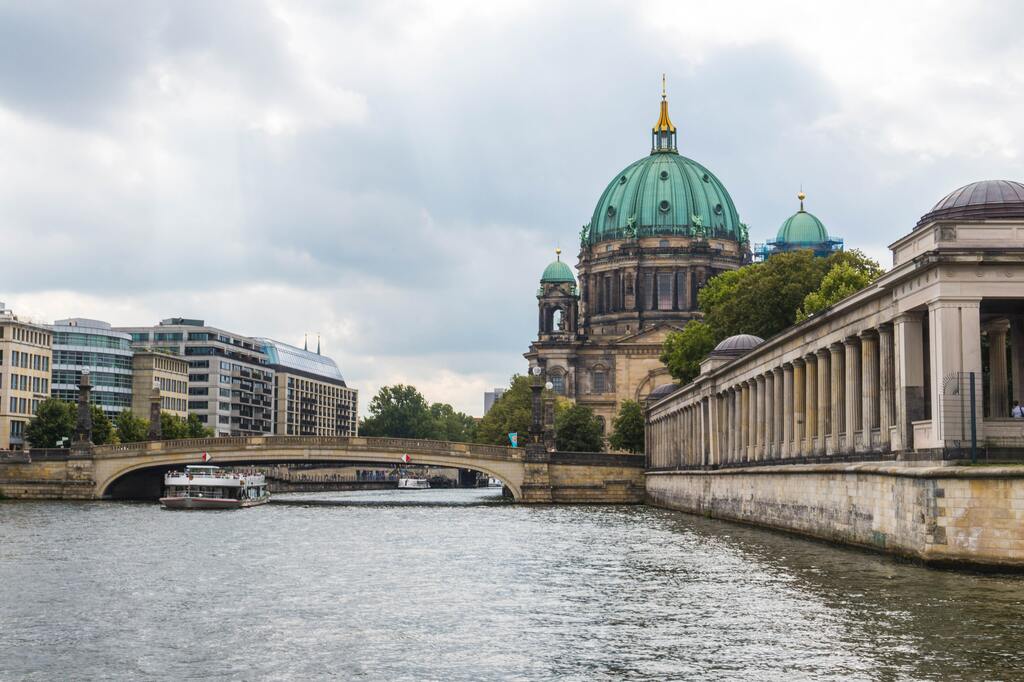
(311, 397)
(491, 397)
(230, 386)
(83, 344)
(162, 370)
(25, 357)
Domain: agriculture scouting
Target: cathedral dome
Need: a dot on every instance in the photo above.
(736, 345)
(978, 201)
(802, 228)
(664, 194)
(557, 271)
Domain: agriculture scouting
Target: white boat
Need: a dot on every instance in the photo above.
(494, 483)
(210, 487)
(413, 483)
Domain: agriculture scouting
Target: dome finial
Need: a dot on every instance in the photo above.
(558, 253)
(801, 196)
(663, 135)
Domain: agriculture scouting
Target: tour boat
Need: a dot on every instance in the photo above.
(210, 487)
(494, 483)
(413, 483)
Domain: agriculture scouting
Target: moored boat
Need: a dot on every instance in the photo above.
(210, 487)
(413, 483)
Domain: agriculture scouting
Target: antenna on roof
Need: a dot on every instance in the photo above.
(318, 344)
(305, 341)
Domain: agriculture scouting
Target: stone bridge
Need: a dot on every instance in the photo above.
(135, 470)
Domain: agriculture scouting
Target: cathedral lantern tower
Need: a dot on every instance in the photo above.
(558, 302)
(662, 227)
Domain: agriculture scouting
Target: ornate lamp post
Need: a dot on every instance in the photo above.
(83, 425)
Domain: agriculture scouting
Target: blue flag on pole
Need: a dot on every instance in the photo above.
(514, 439)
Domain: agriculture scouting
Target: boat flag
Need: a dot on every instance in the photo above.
(206, 457)
(406, 458)
(514, 439)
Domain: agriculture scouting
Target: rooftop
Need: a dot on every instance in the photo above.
(291, 357)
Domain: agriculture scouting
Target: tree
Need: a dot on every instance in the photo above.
(850, 272)
(684, 350)
(131, 429)
(196, 428)
(628, 427)
(102, 428)
(450, 425)
(172, 427)
(54, 420)
(399, 411)
(577, 429)
(761, 299)
(511, 413)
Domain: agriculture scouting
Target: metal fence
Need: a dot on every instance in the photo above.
(961, 407)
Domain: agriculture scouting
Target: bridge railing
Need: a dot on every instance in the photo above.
(411, 445)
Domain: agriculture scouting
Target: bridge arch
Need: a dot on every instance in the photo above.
(116, 463)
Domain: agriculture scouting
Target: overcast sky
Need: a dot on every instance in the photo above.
(395, 175)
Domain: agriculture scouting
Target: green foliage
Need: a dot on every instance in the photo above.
(850, 272)
(577, 429)
(450, 425)
(628, 427)
(54, 420)
(402, 412)
(102, 428)
(196, 429)
(173, 427)
(761, 299)
(131, 429)
(399, 411)
(510, 413)
(764, 299)
(684, 350)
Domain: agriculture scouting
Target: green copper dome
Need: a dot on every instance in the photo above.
(557, 272)
(664, 194)
(802, 228)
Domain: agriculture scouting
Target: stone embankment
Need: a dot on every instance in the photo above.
(941, 515)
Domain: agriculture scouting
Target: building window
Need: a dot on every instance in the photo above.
(599, 381)
(648, 292)
(558, 384)
(664, 291)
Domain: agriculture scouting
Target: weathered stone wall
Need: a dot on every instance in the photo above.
(67, 479)
(942, 515)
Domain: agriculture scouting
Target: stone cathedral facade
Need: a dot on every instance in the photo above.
(662, 227)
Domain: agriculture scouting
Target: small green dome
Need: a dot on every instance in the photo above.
(557, 272)
(802, 228)
(662, 194)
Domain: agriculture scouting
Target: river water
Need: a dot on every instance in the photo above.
(457, 585)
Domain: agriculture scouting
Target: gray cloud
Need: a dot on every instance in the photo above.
(399, 176)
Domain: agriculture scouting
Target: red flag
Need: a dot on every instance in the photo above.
(206, 457)
(406, 458)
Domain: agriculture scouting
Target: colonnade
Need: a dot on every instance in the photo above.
(834, 400)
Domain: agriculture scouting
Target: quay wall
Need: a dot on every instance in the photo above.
(941, 515)
(47, 479)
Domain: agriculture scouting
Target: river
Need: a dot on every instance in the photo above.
(458, 585)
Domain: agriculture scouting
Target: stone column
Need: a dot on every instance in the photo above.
(759, 449)
(908, 336)
(868, 387)
(851, 356)
(836, 396)
(799, 405)
(886, 387)
(998, 389)
(824, 404)
(752, 422)
(769, 415)
(778, 413)
(787, 410)
(1017, 358)
(955, 347)
(744, 420)
(737, 423)
(811, 398)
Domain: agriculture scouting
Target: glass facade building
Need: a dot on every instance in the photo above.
(81, 344)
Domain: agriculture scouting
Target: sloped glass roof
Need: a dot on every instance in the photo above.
(290, 357)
